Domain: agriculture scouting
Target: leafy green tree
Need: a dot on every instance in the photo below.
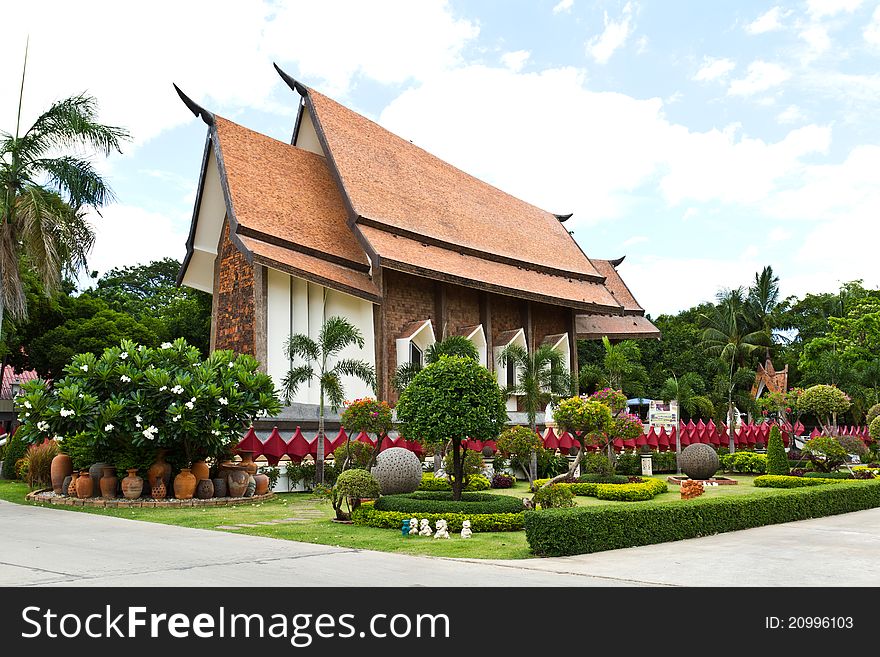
(321, 362)
(825, 403)
(46, 189)
(777, 459)
(519, 443)
(620, 360)
(583, 418)
(454, 345)
(450, 400)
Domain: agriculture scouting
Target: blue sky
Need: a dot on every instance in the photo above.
(702, 139)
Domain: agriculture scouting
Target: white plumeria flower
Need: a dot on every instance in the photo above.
(26, 404)
(192, 399)
(163, 388)
(125, 379)
(81, 396)
(138, 418)
(58, 439)
(123, 355)
(177, 390)
(27, 414)
(84, 368)
(166, 345)
(215, 432)
(223, 401)
(231, 364)
(190, 405)
(42, 426)
(65, 412)
(175, 418)
(108, 427)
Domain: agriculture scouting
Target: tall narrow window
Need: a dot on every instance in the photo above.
(415, 355)
(511, 373)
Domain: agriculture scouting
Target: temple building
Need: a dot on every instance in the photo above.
(349, 219)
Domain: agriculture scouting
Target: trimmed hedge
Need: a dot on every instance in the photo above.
(558, 532)
(368, 516)
(604, 479)
(432, 483)
(828, 475)
(783, 481)
(744, 462)
(624, 492)
(442, 502)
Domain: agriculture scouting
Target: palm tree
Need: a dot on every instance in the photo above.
(727, 336)
(763, 303)
(454, 345)
(621, 359)
(46, 192)
(336, 334)
(541, 377)
(689, 391)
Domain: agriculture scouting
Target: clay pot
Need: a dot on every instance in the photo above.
(205, 489)
(200, 470)
(132, 485)
(219, 486)
(95, 472)
(71, 487)
(237, 481)
(158, 490)
(262, 484)
(247, 460)
(65, 486)
(251, 486)
(108, 483)
(61, 467)
(84, 487)
(184, 485)
(160, 468)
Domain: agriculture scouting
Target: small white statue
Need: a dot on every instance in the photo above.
(442, 529)
(466, 529)
(425, 528)
(413, 526)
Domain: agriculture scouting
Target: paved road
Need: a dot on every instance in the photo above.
(45, 546)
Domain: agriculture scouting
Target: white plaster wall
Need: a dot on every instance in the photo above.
(278, 327)
(307, 136)
(209, 223)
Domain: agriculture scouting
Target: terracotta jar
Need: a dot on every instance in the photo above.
(184, 485)
(237, 481)
(160, 468)
(95, 472)
(200, 470)
(219, 486)
(205, 489)
(158, 490)
(247, 460)
(84, 487)
(132, 485)
(108, 483)
(61, 467)
(262, 484)
(71, 487)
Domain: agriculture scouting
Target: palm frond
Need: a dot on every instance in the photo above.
(337, 333)
(76, 178)
(302, 346)
(73, 122)
(294, 379)
(404, 375)
(359, 369)
(454, 345)
(331, 384)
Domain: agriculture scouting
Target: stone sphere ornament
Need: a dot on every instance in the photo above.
(397, 470)
(699, 461)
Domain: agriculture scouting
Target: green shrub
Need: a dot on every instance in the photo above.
(369, 516)
(782, 481)
(442, 502)
(874, 428)
(472, 464)
(39, 458)
(361, 453)
(596, 463)
(603, 479)
(647, 490)
(777, 459)
(744, 462)
(15, 450)
(826, 453)
(582, 530)
(828, 475)
(430, 482)
(872, 413)
(628, 463)
(853, 445)
(352, 486)
(517, 443)
(554, 496)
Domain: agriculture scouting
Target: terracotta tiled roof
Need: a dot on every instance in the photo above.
(616, 327)
(10, 375)
(286, 195)
(313, 269)
(411, 329)
(402, 188)
(506, 337)
(617, 287)
(430, 261)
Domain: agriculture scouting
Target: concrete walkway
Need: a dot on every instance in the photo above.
(45, 546)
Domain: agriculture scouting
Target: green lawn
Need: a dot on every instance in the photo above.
(315, 525)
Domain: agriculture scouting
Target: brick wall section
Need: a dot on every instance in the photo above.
(506, 315)
(549, 320)
(462, 308)
(233, 323)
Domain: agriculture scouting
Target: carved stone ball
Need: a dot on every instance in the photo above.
(699, 461)
(397, 470)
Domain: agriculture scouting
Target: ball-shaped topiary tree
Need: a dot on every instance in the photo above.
(825, 403)
(351, 487)
(825, 453)
(370, 416)
(874, 428)
(872, 413)
(584, 419)
(451, 400)
(517, 443)
(777, 459)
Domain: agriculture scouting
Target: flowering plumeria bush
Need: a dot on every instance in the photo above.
(142, 397)
(613, 399)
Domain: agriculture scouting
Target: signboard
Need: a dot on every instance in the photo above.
(663, 414)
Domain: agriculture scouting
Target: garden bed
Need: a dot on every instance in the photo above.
(46, 496)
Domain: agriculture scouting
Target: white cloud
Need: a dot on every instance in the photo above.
(515, 60)
(761, 76)
(822, 8)
(817, 39)
(564, 5)
(635, 239)
(603, 46)
(750, 252)
(779, 235)
(872, 29)
(769, 21)
(714, 68)
(791, 114)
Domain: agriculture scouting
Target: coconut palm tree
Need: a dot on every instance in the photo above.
(726, 335)
(45, 192)
(689, 391)
(454, 345)
(621, 360)
(763, 304)
(321, 363)
(541, 377)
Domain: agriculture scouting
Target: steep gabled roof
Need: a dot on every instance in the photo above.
(617, 287)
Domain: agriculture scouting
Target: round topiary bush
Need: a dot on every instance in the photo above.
(874, 428)
(873, 413)
(442, 502)
(397, 470)
(351, 487)
(699, 461)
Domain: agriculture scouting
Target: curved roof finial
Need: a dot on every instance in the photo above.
(563, 217)
(302, 90)
(194, 107)
(616, 261)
